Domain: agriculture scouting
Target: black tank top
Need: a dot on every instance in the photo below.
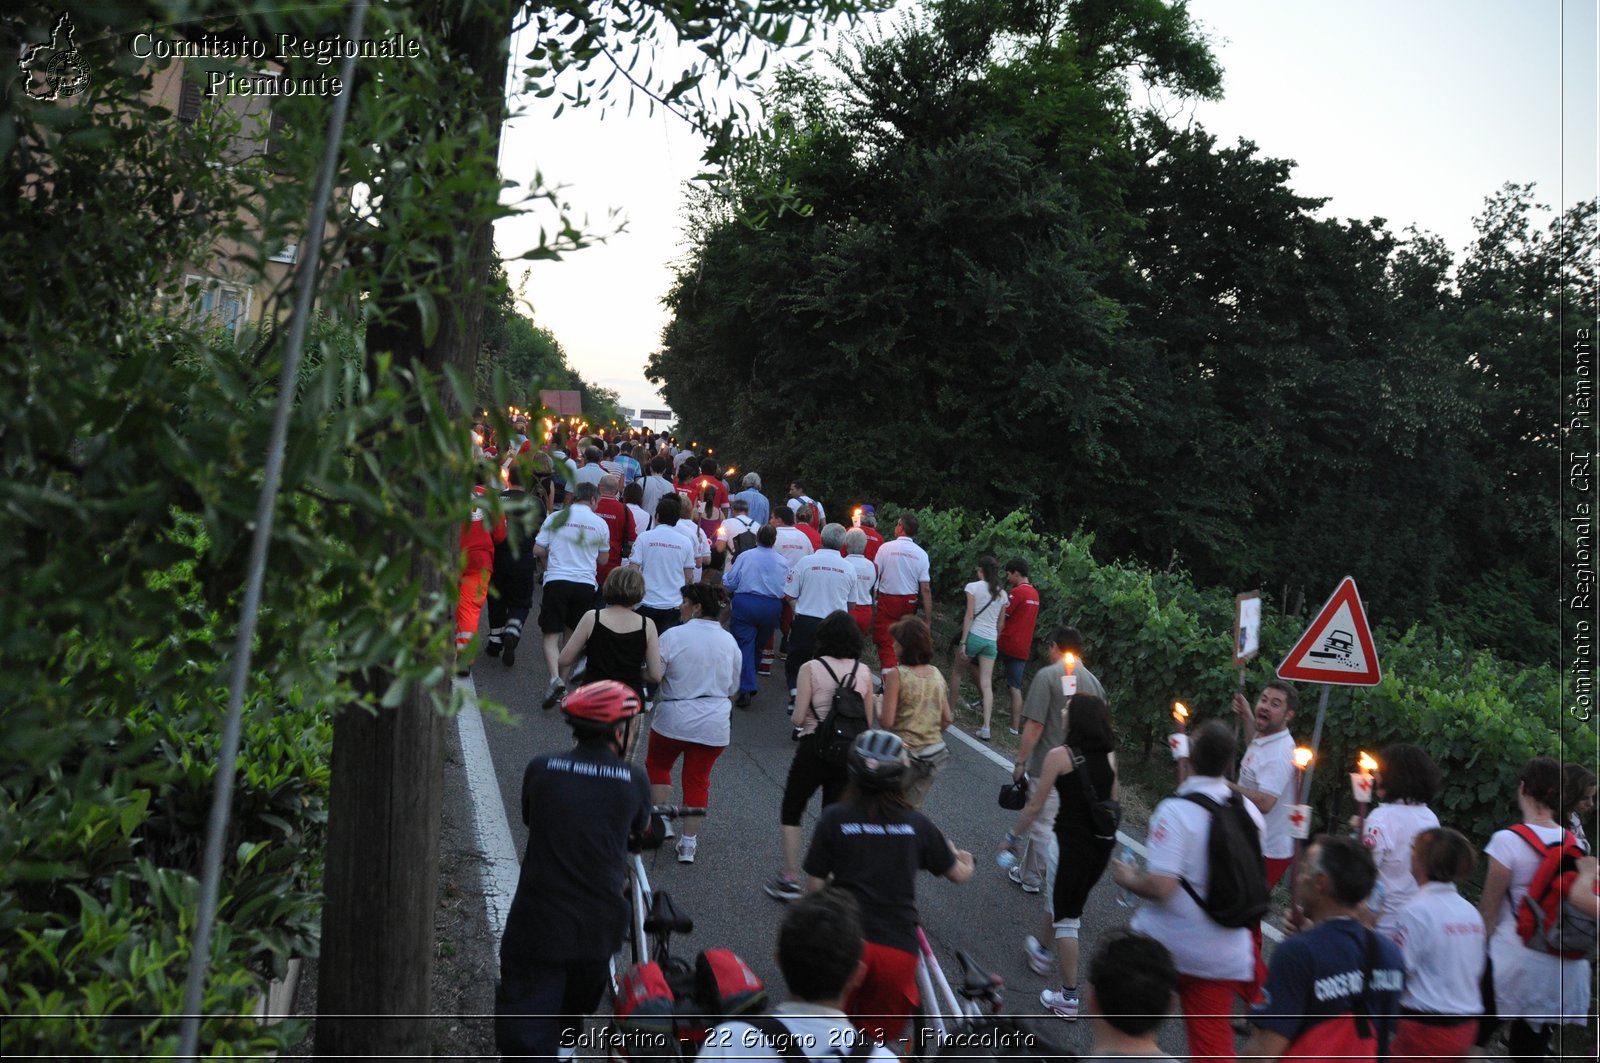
(615, 655)
(1074, 815)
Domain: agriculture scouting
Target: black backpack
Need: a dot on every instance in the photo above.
(847, 719)
(1237, 895)
(741, 542)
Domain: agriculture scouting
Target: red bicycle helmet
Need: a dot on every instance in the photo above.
(605, 703)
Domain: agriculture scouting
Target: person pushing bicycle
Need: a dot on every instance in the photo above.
(583, 808)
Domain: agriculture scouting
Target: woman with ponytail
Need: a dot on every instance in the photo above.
(980, 636)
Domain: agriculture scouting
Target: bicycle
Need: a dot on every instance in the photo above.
(946, 1012)
(653, 918)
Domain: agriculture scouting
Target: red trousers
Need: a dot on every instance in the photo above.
(1208, 1015)
(663, 753)
(891, 607)
(862, 615)
(469, 604)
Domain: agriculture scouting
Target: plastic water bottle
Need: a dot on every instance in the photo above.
(1124, 898)
(1007, 860)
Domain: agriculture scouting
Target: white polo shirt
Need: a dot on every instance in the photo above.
(902, 567)
(820, 583)
(1268, 766)
(866, 579)
(1440, 934)
(662, 556)
(792, 544)
(1179, 831)
(807, 500)
(701, 673)
(577, 547)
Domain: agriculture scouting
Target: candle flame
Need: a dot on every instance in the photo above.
(505, 476)
(731, 471)
(1366, 763)
(1072, 662)
(1180, 711)
(1302, 757)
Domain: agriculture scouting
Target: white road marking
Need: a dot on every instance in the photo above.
(500, 865)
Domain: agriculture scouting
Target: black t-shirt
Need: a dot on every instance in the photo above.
(878, 862)
(580, 808)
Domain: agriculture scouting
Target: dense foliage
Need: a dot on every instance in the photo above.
(1013, 288)
(131, 454)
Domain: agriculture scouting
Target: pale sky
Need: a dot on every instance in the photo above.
(1408, 110)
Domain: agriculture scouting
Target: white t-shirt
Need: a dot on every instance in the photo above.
(576, 547)
(662, 556)
(823, 1034)
(1530, 984)
(902, 567)
(816, 507)
(655, 488)
(641, 519)
(1179, 831)
(820, 583)
(1268, 766)
(866, 579)
(986, 616)
(696, 538)
(792, 544)
(701, 673)
(1440, 934)
(1390, 829)
(734, 527)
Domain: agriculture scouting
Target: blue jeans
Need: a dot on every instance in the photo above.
(753, 620)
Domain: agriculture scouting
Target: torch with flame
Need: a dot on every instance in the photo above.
(1069, 678)
(1361, 780)
(1180, 715)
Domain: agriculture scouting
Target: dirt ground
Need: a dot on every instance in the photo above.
(465, 960)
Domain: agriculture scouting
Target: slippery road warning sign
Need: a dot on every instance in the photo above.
(1337, 646)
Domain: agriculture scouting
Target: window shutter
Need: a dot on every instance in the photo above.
(188, 102)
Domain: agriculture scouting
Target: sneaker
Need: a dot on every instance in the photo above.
(686, 848)
(554, 692)
(983, 734)
(1015, 875)
(784, 888)
(668, 831)
(1013, 732)
(510, 654)
(1062, 1003)
(1040, 959)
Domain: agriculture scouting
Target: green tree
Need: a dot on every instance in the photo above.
(959, 180)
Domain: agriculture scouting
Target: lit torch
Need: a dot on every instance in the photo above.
(1069, 678)
(1302, 760)
(1361, 786)
(1180, 715)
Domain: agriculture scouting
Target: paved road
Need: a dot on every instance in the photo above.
(985, 917)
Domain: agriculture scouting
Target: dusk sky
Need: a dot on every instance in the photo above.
(1409, 110)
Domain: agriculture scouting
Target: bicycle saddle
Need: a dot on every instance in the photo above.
(974, 979)
(664, 916)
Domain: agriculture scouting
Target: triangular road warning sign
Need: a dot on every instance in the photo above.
(1337, 646)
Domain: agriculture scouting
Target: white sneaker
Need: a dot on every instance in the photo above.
(983, 734)
(1015, 875)
(668, 832)
(1061, 1003)
(1040, 959)
(686, 848)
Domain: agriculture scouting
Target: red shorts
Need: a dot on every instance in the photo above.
(887, 997)
(663, 753)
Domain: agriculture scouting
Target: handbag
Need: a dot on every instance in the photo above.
(1105, 813)
(955, 640)
(1014, 796)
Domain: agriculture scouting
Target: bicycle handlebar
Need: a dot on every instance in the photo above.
(676, 811)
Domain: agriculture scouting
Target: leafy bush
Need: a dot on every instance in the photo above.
(1153, 638)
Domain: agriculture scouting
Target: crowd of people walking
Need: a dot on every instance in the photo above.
(660, 578)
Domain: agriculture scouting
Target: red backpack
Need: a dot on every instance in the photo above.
(1546, 921)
